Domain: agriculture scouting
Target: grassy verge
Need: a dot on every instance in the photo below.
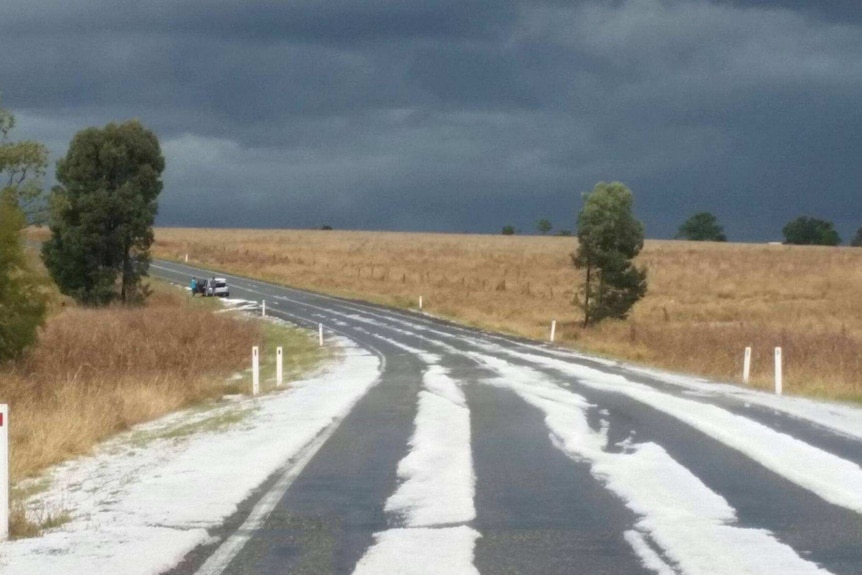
(97, 372)
(301, 353)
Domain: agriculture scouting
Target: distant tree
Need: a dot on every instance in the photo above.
(508, 230)
(857, 239)
(701, 227)
(544, 226)
(609, 238)
(22, 303)
(805, 230)
(325, 227)
(564, 233)
(22, 167)
(102, 213)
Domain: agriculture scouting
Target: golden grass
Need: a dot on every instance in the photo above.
(706, 301)
(97, 372)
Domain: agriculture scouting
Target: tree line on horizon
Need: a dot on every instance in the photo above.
(804, 230)
(705, 227)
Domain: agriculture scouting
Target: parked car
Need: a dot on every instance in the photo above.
(217, 287)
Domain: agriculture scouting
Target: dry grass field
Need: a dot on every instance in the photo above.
(97, 372)
(706, 301)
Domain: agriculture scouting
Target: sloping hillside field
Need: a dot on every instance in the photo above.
(706, 301)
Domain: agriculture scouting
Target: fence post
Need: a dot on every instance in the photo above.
(320, 333)
(255, 371)
(553, 330)
(4, 472)
(746, 365)
(263, 308)
(279, 367)
(779, 384)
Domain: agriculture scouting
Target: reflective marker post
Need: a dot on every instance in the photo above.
(778, 375)
(279, 367)
(553, 330)
(746, 365)
(255, 371)
(4, 472)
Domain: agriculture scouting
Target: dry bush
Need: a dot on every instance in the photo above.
(36, 233)
(706, 301)
(96, 372)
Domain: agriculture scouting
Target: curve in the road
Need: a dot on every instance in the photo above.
(563, 465)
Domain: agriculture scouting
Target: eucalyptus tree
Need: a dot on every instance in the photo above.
(701, 227)
(102, 213)
(609, 238)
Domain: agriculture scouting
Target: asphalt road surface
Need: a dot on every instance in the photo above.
(481, 453)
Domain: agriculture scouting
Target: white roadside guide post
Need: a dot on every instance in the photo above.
(420, 302)
(746, 365)
(4, 472)
(187, 258)
(553, 330)
(320, 333)
(255, 371)
(778, 374)
(279, 370)
(263, 308)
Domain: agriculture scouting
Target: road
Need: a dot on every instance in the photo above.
(476, 452)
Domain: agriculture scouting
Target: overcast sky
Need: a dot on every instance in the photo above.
(459, 115)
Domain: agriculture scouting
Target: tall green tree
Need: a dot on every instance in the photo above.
(23, 165)
(544, 226)
(102, 213)
(701, 227)
(22, 303)
(609, 238)
(805, 230)
(857, 239)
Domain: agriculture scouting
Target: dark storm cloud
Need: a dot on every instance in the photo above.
(829, 10)
(342, 22)
(459, 115)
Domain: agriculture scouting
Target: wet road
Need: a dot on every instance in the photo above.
(573, 466)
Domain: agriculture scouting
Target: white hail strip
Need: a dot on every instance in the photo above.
(830, 477)
(843, 419)
(426, 356)
(691, 524)
(436, 343)
(839, 418)
(436, 496)
(437, 474)
(446, 551)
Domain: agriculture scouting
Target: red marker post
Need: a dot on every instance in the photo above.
(4, 472)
